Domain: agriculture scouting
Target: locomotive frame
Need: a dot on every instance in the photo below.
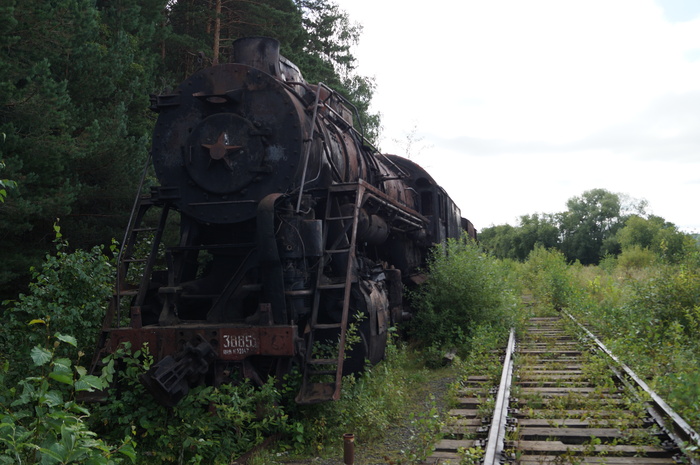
(293, 231)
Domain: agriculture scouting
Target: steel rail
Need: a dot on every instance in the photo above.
(497, 432)
(675, 426)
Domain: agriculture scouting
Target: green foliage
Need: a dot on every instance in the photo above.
(43, 423)
(672, 295)
(371, 402)
(76, 84)
(546, 275)
(516, 243)
(70, 291)
(471, 455)
(589, 226)
(635, 257)
(649, 317)
(655, 235)
(596, 225)
(5, 183)
(465, 289)
(209, 426)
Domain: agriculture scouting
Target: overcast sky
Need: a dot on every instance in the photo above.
(519, 105)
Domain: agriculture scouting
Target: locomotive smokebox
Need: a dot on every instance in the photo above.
(261, 53)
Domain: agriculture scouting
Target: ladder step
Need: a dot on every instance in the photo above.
(327, 326)
(331, 286)
(322, 372)
(335, 218)
(346, 250)
(128, 293)
(323, 361)
(313, 393)
(134, 260)
(144, 229)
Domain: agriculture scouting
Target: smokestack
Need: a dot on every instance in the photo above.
(262, 53)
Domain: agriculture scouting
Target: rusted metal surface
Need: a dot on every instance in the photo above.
(348, 449)
(230, 342)
(288, 223)
(497, 432)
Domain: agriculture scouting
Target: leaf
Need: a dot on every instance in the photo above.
(37, 322)
(56, 455)
(76, 408)
(67, 339)
(62, 365)
(61, 378)
(40, 356)
(52, 398)
(128, 450)
(89, 383)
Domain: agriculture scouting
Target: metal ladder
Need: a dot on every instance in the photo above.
(344, 243)
(127, 256)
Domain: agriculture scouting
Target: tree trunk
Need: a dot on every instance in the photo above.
(217, 32)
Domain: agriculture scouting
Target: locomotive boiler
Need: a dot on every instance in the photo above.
(274, 233)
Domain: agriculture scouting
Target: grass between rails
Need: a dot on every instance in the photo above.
(647, 313)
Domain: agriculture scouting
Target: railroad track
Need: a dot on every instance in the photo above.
(562, 400)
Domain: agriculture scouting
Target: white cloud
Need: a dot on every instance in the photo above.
(535, 102)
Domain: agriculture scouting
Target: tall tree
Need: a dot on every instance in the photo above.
(73, 108)
(536, 230)
(654, 234)
(589, 226)
(324, 53)
(36, 116)
(201, 32)
(499, 240)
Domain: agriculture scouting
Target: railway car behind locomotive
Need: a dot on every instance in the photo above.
(275, 228)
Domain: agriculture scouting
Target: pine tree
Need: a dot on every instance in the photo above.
(73, 109)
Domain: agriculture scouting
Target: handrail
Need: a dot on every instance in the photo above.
(308, 147)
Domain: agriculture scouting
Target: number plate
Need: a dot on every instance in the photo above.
(237, 345)
(240, 343)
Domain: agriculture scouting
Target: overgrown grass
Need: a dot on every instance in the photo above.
(372, 403)
(645, 309)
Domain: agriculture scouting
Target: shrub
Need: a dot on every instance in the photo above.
(70, 292)
(41, 420)
(466, 288)
(211, 425)
(546, 274)
(636, 257)
(672, 295)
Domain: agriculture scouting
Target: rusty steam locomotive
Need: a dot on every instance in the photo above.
(275, 229)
